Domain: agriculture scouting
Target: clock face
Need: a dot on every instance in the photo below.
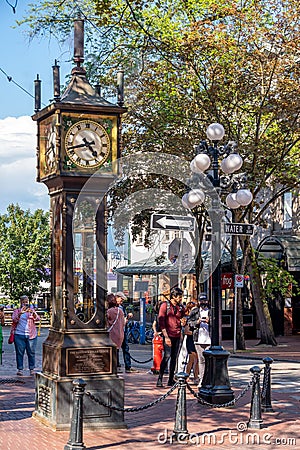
(87, 144)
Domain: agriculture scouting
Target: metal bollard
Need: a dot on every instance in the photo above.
(255, 420)
(266, 404)
(180, 428)
(75, 439)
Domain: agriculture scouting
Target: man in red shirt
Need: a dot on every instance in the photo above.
(170, 316)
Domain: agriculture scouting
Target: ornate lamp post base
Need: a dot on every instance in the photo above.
(215, 386)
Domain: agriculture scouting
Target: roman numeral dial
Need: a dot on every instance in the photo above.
(87, 144)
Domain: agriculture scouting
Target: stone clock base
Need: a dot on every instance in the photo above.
(67, 356)
(54, 402)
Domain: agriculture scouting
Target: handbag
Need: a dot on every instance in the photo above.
(11, 338)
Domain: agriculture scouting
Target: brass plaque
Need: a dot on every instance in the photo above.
(83, 361)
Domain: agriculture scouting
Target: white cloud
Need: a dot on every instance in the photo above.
(17, 138)
(18, 165)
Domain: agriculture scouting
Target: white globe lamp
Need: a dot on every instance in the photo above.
(244, 197)
(200, 163)
(232, 163)
(215, 132)
(185, 202)
(232, 202)
(195, 197)
(193, 167)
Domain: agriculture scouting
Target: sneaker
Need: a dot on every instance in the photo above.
(159, 383)
(130, 370)
(171, 383)
(20, 373)
(119, 369)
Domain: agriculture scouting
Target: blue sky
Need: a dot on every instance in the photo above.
(22, 61)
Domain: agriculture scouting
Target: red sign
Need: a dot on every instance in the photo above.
(227, 281)
(239, 280)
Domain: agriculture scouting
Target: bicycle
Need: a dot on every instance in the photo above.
(149, 334)
(134, 332)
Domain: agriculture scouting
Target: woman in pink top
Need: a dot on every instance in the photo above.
(24, 319)
(115, 322)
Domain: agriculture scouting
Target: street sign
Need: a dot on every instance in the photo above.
(239, 281)
(164, 222)
(239, 228)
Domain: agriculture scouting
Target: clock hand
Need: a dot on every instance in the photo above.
(85, 144)
(94, 153)
(77, 146)
(89, 145)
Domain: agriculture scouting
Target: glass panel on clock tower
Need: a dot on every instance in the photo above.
(57, 260)
(84, 262)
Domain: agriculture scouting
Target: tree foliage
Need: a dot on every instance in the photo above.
(24, 251)
(277, 281)
(189, 63)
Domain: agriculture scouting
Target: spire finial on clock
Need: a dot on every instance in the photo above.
(56, 81)
(78, 45)
(37, 94)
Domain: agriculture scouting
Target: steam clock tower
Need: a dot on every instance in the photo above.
(77, 151)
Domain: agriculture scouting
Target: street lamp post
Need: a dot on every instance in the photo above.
(215, 386)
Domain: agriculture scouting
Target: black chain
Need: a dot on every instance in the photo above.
(220, 405)
(11, 381)
(141, 362)
(138, 408)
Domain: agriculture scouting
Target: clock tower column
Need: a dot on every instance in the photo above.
(77, 152)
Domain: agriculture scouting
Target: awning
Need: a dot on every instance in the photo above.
(152, 266)
(279, 247)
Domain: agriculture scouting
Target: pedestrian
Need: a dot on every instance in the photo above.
(115, 322)
(120, 297)
(155, 326)
(2, 316)
(24, 319)
(2, 323)
(192, 312)
(203, 339)
(170, 316)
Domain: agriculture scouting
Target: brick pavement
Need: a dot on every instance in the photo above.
(147, 428)
(288, 349)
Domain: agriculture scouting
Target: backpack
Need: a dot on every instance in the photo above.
(157, 327)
